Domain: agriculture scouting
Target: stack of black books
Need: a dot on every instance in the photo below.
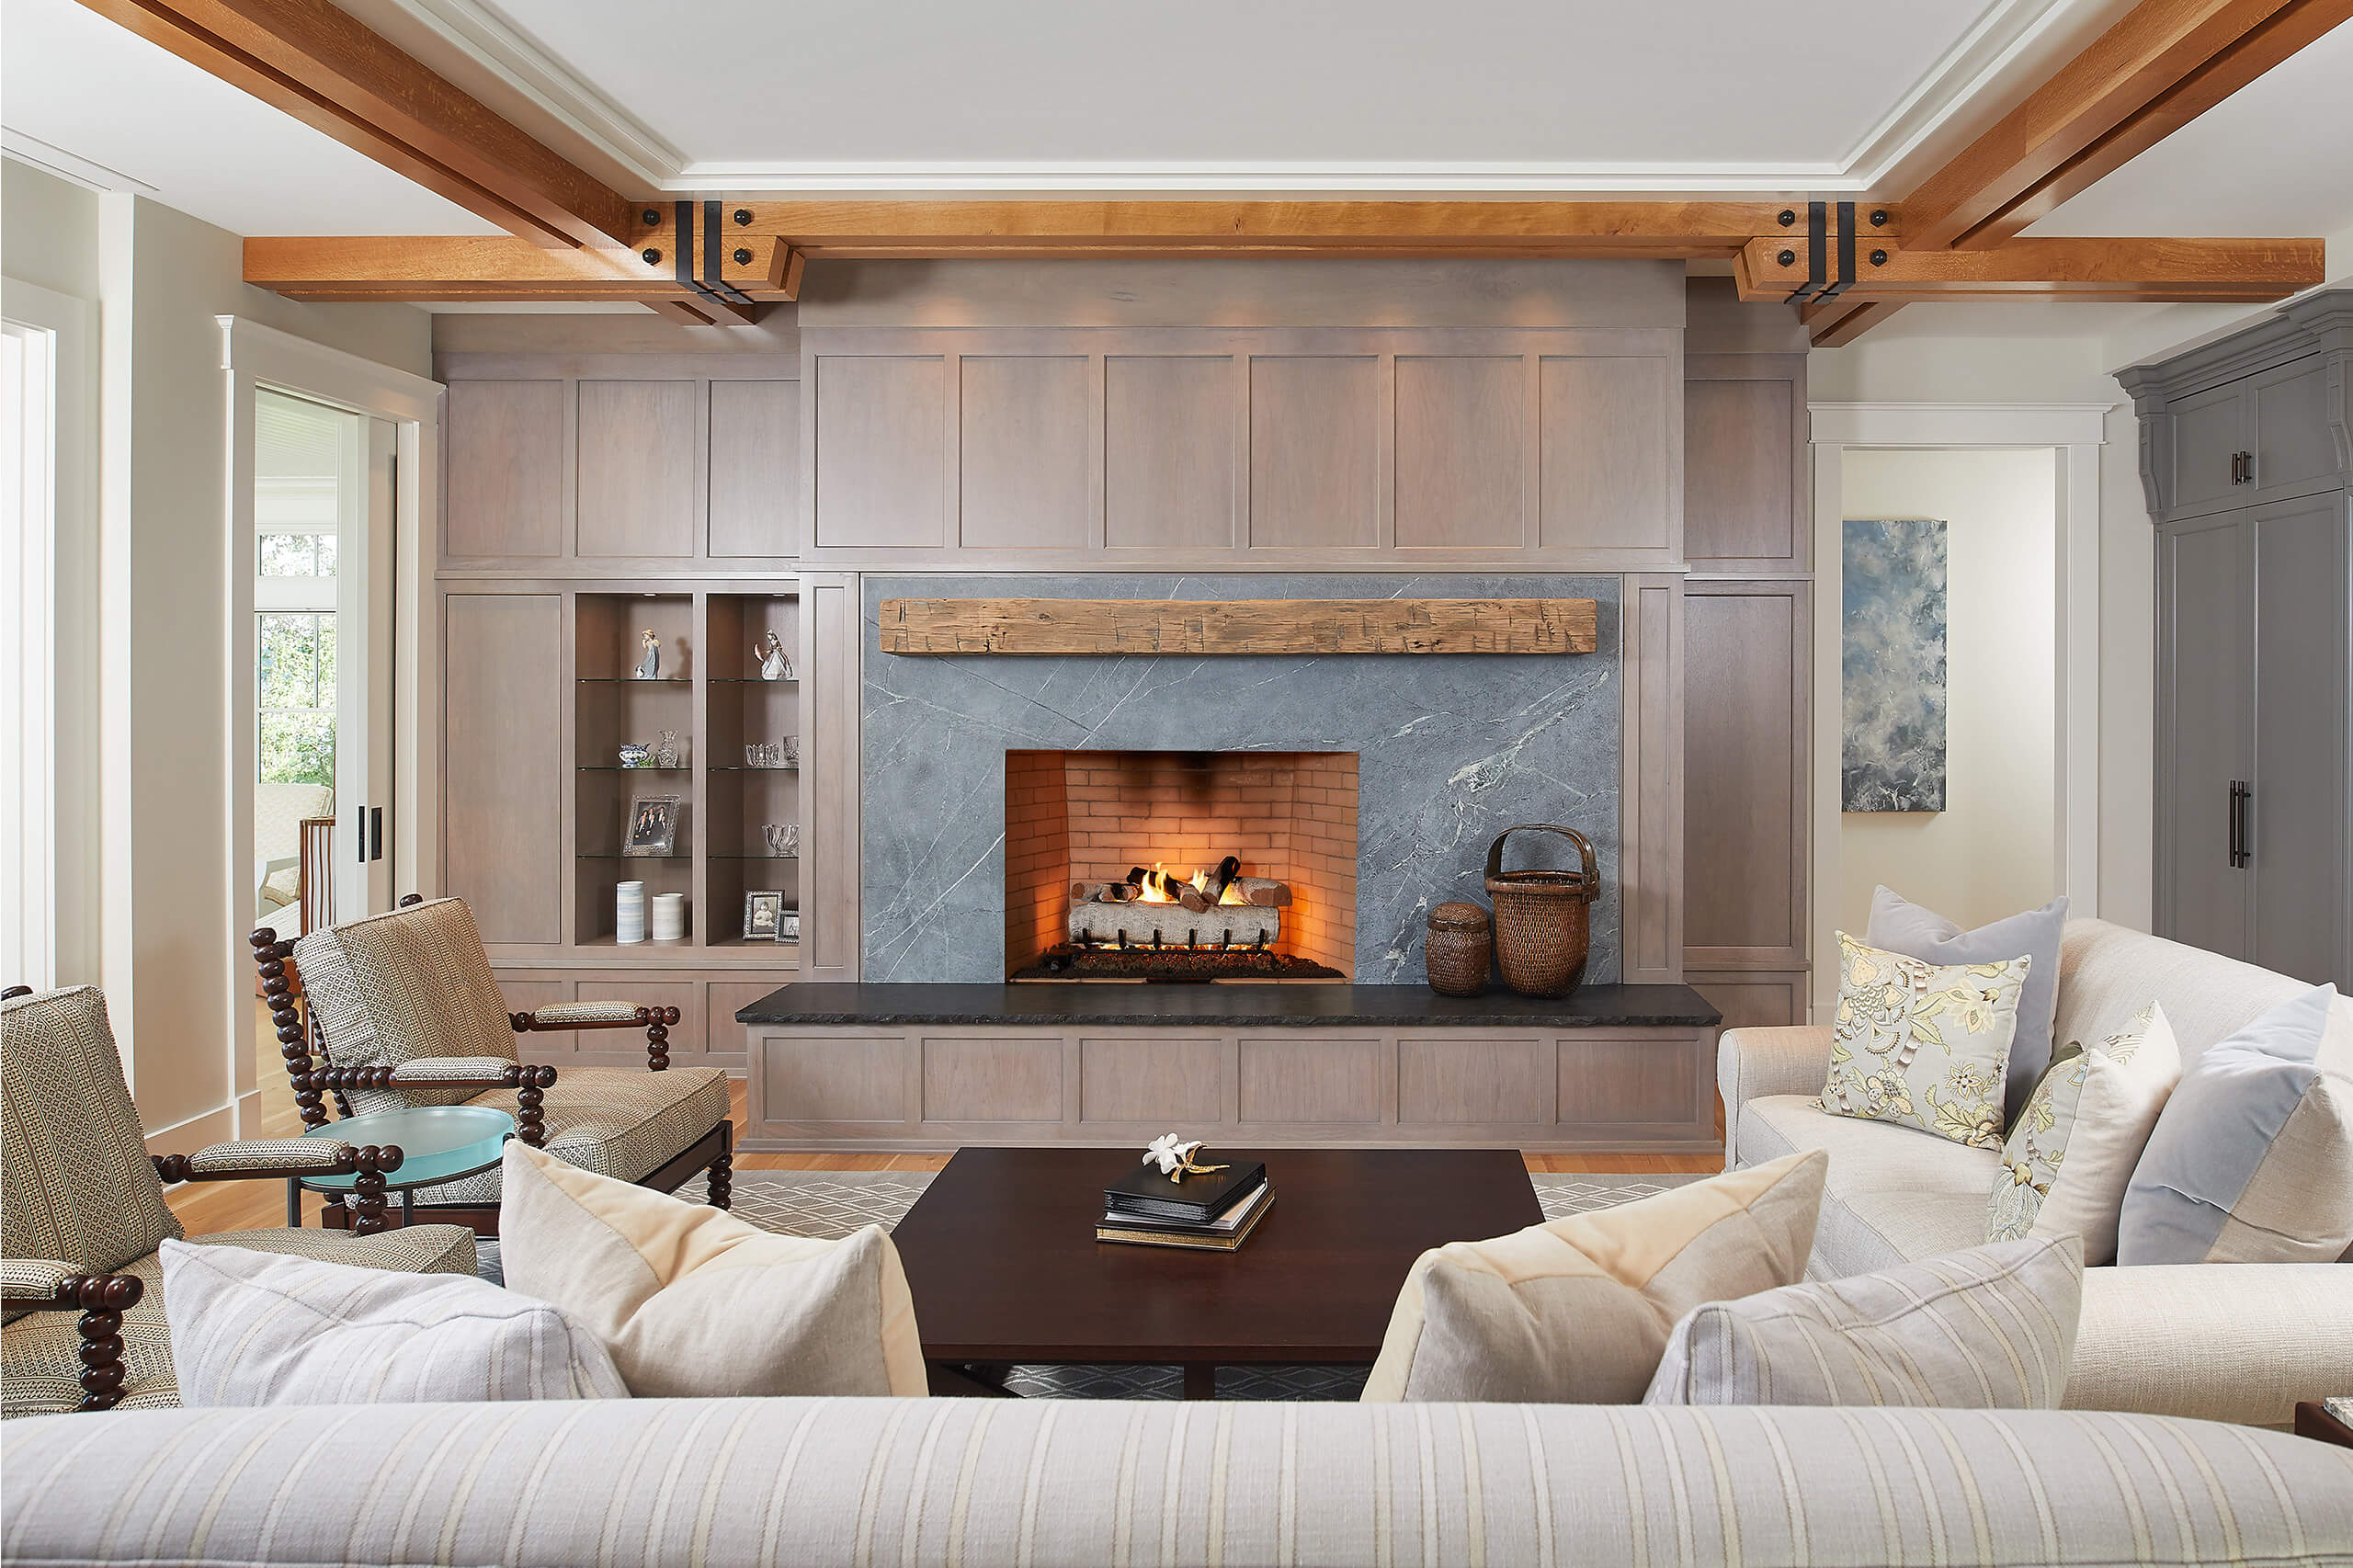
(1215, 1210)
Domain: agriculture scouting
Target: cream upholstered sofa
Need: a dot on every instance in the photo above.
(2227, 1342)
(989, 1483)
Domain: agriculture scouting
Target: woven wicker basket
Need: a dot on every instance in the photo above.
(1542, 933)
(1457, 952)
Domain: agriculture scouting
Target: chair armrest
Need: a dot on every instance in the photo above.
(44, 1285)
(260, 1159)
(531, 1083)
(34, 1282)
(493, 1071)
(654, 1021)
(1752, 1064)
(2237, 1342)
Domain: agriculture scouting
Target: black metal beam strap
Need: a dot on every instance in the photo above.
(1845, 278)
(714, 246)
(1816, 217)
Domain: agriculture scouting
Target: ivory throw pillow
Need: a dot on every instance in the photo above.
(695, 1303)
(1899, 925)
(1576, 1310)
(2072, 1149)
(1923, 1045)
(2252, 1160)
(253, 1328)
(1992, 1328)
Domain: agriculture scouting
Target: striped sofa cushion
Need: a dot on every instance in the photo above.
(989, 1483)
(1992, 1328)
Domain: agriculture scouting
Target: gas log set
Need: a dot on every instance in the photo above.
(1154, 925)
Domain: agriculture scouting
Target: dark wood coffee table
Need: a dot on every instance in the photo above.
(1001, 1257)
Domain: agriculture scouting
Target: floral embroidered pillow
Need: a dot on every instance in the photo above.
(2077, 1141)
(1923, 1045)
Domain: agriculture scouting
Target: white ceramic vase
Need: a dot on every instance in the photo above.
(629, 913)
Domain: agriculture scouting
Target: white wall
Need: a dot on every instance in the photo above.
(1990, 852)
(170, 908)
(1960, 369)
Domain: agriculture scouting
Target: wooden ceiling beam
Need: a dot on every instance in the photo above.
(329, 70)
(2155, 269)
(1002, 229)
(1834, 323)
(2160, 66)
(497, 268)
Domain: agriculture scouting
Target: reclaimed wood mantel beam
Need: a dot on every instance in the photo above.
(1237, 626)
(332, 72)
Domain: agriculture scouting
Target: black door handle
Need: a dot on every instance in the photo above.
(375, 833)
(2239, 793)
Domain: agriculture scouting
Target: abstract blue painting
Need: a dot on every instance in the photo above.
(1891, 666)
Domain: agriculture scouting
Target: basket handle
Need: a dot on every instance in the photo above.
(1585, 849)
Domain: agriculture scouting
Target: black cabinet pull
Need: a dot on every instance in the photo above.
(2241, 468)
(2240, 855)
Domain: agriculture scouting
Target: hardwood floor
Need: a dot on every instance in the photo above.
(206, 1208)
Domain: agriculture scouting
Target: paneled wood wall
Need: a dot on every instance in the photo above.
(1333, 447)
(1502, 417)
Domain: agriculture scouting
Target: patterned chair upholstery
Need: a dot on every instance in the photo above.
(406, 1009)
(82, 1211)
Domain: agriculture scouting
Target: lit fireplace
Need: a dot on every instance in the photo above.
(1180, 865)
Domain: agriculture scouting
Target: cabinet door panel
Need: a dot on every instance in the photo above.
(1745, 762)
(882, 450)
(505, 470)
(2207, 429)
(2294, 447)
(2296, 825)
(2206, 689)
(637, 469)
(1461, 444)
(1739, 457)
(755, 468)
(1314, 453)
(501, 805)
(1602, 479)
(1168, 453)
(1025, 453)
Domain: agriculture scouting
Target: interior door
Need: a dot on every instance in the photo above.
(364, 684)
(2296, 820)
(2206, 693)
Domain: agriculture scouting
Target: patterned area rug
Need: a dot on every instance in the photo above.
(835, 1203)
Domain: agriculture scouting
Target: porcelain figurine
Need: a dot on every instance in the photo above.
(634, 755)
(649, 667)
(773, 666)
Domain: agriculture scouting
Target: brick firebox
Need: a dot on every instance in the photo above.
(1090, 816)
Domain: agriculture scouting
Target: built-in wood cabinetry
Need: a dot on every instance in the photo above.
(1339, 447)
(2246, 453)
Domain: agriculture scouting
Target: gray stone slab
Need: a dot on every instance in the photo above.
(1451, 750)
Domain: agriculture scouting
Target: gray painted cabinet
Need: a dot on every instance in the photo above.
(2247, 459)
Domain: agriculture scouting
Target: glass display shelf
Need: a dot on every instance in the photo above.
(752, 680)
(740, 767)
(755, 857)
(617, 855)
(634, 680)
(617, 768)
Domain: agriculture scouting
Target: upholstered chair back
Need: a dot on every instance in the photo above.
(404, 987)
(75, 1184)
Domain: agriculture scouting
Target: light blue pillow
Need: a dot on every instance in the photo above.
(1899, 925)
(2208, 1187)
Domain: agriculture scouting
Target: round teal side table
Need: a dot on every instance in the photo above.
(401, 1151)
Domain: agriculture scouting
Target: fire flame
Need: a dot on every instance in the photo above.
(1160, 887)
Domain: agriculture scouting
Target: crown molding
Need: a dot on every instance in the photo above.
(2007, 32)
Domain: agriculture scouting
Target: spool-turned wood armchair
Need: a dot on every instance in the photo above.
(82, 1214)
(401, 1009)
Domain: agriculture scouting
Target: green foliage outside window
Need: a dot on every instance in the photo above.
(297, 699)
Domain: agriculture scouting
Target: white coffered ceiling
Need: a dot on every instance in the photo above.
(1152, 97)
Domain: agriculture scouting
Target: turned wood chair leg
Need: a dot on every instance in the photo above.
(723, 1181)
(530, 1101)
(270, 953)
(367, 1188)
(657, 1035)
(103, 1300)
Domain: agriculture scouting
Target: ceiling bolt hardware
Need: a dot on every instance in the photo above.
(653, 218)
(1879, 258)
(653, 258)
(1788, 217)
(743, 217)
(1787, 258)
(742, 256)
(1879, 218)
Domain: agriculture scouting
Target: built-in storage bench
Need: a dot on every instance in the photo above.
(932, 1067)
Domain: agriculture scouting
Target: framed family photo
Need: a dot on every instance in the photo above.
(653, 827)
(763, 916)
